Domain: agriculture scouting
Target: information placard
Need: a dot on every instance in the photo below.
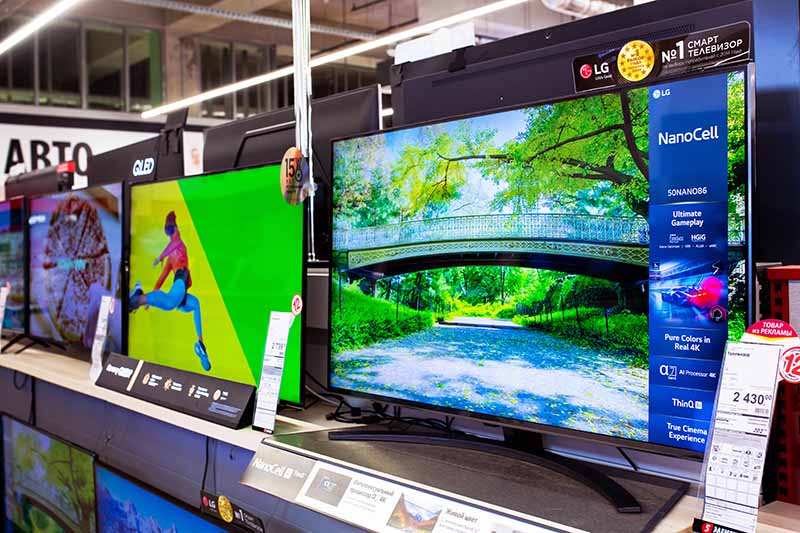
(4, 290)
(368, 501)
(100, 335)
(272, 370)
(734, 462)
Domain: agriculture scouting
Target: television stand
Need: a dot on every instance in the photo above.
(32, 341)
(522, 446)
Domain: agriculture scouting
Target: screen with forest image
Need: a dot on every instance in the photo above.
(49, 485)
(578, 264)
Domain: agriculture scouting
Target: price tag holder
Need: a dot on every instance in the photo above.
(269, 388)
(100, 336)
(735, 455)
(4, 290)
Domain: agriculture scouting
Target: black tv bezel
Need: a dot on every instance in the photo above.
(72, 349)
(11, 332)
(51, 436)
(154, 491)
(747, 70)
(127, 249)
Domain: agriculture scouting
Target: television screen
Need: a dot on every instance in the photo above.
(211, 257)
(12, 261)
(49, 485)
(75, 251)
(123, 506)
(578, 264)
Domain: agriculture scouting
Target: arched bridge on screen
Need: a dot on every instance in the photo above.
(38, 498)
(609, 247)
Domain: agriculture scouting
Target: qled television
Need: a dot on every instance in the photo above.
(12, 261)
(124, 506)
(572, 266)
(210, 257)
(49, 484)
(75, 252)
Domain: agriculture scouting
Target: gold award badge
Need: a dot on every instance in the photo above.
(225, 509)
(635, 60)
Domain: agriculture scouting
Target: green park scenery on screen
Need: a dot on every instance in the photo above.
(211, 257)
(482, 264)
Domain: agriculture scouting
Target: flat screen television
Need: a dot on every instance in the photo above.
(75, 253)
(12, 262)
(571, 267)
(124, 505)
(210, 257)
(49, 484)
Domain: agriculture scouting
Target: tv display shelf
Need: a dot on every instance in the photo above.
(308, 427)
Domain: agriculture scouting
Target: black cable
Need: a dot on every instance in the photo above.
(205, 468)
(24, 380)
(32, 412)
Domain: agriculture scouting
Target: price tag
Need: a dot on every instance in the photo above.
(272, 370)
(4, 290)
(100, 335)
(734, 461)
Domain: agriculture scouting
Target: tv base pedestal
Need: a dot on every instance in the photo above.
(522, 446)
(32, 341)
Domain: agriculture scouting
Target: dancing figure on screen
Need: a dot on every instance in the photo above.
(178, 297)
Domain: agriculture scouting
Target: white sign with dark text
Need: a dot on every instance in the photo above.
(25, 147)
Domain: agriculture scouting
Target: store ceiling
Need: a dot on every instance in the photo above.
(363, 16)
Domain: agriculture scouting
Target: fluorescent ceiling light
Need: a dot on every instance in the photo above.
(339, 55)
(38, 22)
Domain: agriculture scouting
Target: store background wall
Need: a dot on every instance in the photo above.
(777, 27)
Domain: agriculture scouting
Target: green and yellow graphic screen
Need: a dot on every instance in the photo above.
(211, 256)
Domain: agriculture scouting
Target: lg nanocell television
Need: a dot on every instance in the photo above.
(49, 484)
(12, 262)
(572, 266)
(75, 253)
(123, 505)
(210, 257)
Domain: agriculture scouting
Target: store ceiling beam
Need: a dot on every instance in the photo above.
(225, 14)
(9, 7)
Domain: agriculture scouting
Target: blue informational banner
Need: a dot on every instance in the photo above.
(689, 267)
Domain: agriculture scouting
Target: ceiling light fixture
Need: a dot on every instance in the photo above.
(38, 22)
(338, 55)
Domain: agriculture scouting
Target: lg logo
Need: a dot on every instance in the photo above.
(144, 167)
(587, 70)
(660, 93)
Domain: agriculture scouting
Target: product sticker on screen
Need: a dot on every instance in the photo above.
(49, 484)
(578, 264)
(75, 257)
(211, 256)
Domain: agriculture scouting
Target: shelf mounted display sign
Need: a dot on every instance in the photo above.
(216, 400)
(737, 449)
(368, 501)
(642, 61)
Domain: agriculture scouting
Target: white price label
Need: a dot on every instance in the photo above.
(734, 460)
(4, 290)
(280, 323)
(100, 335)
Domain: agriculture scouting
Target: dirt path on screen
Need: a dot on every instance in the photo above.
(495, 367)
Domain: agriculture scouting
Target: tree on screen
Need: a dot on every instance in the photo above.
(67, 472)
